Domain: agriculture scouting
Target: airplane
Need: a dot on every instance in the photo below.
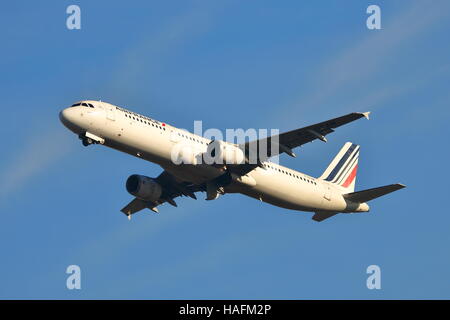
(98, 122)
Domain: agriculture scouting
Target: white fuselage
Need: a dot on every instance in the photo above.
(154, 141)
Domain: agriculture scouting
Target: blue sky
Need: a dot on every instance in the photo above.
(231, 64)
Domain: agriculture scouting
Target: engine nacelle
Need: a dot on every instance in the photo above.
(143, 187)
(219, 152)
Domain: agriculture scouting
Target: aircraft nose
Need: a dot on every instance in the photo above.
(68, 117)
(65, 116)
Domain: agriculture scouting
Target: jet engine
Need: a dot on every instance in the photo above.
(219, 152)
(143, 187)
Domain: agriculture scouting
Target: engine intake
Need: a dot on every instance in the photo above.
(143, 187)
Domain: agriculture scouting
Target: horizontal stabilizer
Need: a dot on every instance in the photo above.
(322, 215)
(134, 206)
(137, 205)
(370, 194)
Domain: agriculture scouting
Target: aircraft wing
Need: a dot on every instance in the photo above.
(171, 189)
(295, 138)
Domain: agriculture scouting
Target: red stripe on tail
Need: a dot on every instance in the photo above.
(351, 177)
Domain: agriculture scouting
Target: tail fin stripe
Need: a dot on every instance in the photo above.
(347, 169)
(349, 165)
(341, 162)
(351, 177)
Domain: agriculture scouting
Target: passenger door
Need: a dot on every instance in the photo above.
(110, 112)
(327, 192)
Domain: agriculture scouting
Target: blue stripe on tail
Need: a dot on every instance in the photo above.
(348, 166)
(341, 162)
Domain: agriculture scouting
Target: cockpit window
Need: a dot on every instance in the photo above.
(84, 104)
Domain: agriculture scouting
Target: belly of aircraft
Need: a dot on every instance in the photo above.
(196, 174)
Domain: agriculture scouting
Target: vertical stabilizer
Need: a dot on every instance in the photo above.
(342, 170)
